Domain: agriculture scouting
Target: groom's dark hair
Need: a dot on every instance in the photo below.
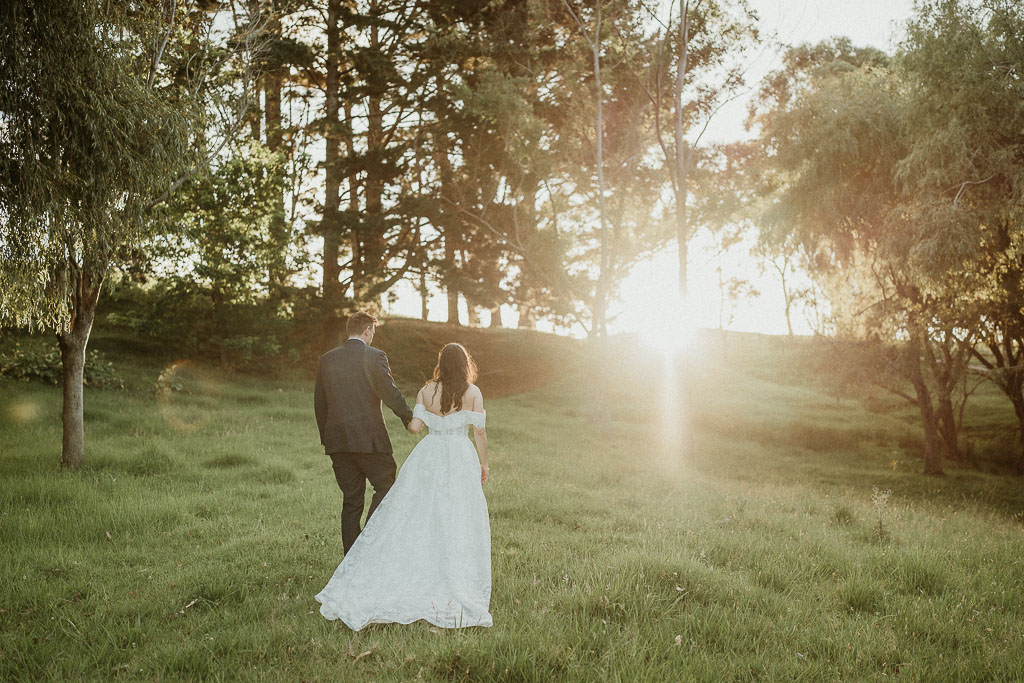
(358, 322)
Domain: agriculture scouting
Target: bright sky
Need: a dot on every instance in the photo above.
(645, 293)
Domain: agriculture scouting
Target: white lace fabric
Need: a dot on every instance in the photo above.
(426, 552)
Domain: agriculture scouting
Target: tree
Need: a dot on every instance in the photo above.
(595, 43)
(222, 233)
(96, 132)
(782, 259)
(698, 67)
(965, 169)
(835, 145)
(330, 224)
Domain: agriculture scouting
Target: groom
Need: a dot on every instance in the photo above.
(351, 382)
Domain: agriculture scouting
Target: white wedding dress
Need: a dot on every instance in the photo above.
(426, 551)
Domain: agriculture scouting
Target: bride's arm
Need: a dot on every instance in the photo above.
(416, 425)
(480, 436)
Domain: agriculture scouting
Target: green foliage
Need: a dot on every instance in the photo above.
(44, 365)
(92, 136)
(181, 316)
(219, 227)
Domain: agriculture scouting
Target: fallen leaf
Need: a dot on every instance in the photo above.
(362, 654)
(679, 641)
(109, 537)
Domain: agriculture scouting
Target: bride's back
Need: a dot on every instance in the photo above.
(431, 398)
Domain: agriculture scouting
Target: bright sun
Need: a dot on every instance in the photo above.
(652, 307)
(668, 326)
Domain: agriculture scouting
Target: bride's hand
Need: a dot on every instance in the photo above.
(483, 475)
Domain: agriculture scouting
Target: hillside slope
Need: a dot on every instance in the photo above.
(510, 361)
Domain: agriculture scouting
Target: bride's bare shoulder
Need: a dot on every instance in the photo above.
(473, 398)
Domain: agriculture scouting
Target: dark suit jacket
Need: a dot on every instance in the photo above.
(351, 382)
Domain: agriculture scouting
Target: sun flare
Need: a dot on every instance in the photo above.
(669, 326)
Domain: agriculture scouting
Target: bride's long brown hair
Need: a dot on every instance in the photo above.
(454, 372)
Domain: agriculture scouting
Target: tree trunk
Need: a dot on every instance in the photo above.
(948, 429)
(424, 295)
(332, 171)
(355, 234)
(72, 358)
(447, 223)
(682, 160)
(1011, 382)
(450, 287)
(929, 421)
(1018, 409)
(255, 116)
(601, 300)
(472, 315)
(787, 297)
(73, 343)
(372, 242)
(527, 317)
(272, 84)
(496, 317)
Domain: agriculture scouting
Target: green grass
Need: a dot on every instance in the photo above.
(192, 542)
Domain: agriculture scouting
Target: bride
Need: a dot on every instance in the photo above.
(426, 551)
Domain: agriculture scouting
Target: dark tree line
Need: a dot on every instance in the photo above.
(301, 158)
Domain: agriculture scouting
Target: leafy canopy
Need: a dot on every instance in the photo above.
(90, 136)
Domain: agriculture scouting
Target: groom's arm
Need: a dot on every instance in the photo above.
(384, 385)
(320, 402)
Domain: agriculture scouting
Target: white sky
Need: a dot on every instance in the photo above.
(645, 293)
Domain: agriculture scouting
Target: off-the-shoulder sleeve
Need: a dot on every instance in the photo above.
(429, 419)
(463, 418)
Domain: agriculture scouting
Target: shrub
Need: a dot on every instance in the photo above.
(44, 365)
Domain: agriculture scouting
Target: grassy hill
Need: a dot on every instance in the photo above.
(799, 541)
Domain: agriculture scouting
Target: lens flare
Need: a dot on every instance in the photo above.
(184, 394)
(23, 412)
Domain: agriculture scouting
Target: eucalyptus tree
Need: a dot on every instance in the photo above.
(606, 187)
(964, 172)
(835, 146)
(101, 118)
(700, 55)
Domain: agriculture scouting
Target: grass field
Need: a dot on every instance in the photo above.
(799, 542)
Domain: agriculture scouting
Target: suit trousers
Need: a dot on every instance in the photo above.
(351, 470)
